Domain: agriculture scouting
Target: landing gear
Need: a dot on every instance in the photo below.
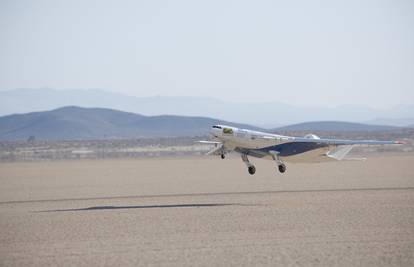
(282, 168)
(250, 167)
(223, 156)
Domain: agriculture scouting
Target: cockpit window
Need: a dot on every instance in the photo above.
(217, 127)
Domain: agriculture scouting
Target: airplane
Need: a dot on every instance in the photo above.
(280, 148)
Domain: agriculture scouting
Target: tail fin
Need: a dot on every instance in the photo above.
(340, 152)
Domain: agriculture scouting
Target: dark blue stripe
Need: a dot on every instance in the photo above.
(285, 150)
(294, 148)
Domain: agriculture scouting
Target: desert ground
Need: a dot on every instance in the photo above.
(204, 211)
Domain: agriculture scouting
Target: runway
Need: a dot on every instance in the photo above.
(207, 212)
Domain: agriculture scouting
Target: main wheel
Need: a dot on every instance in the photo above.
(252, 169)
(282, 168)
(223, 156)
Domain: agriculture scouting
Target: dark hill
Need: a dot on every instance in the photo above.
(70, 123)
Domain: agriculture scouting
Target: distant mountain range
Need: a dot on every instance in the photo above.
(268, 115)
(71, 123)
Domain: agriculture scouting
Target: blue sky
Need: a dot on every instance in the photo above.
(305, 53)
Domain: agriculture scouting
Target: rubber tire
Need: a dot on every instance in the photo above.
(222, 156)
(251, 170)
(282, 168)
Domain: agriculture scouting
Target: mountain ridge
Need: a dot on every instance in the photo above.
(72, 123)
(266, 114)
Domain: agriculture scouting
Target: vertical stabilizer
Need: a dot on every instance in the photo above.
(340, 152)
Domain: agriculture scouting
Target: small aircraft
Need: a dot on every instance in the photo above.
(280, 148)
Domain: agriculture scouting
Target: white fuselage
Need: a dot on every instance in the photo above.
(234, 137)
(238, 139)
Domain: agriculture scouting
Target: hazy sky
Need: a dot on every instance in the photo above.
(300, 52)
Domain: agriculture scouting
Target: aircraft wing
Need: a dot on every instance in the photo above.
(218, 147)
(339, 142)
(325, 149)
(209, 142)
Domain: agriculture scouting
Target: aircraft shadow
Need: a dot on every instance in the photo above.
(148, 207)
